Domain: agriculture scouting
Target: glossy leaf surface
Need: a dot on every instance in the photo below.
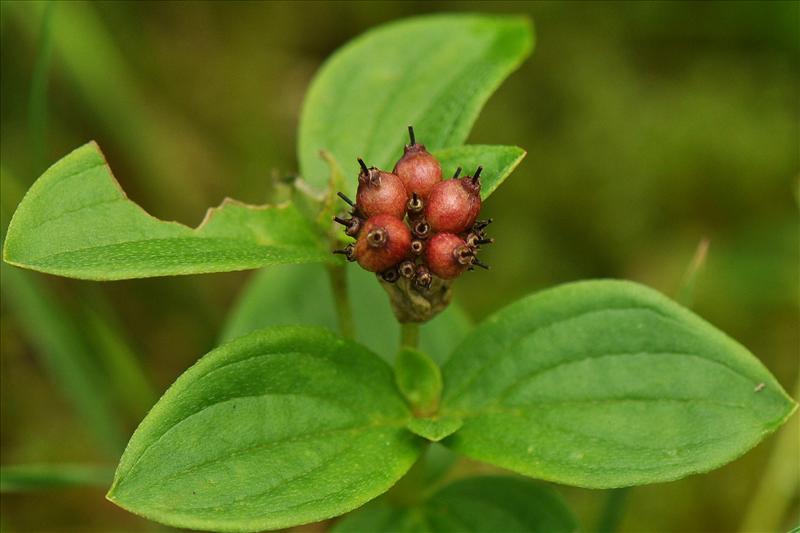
(76, 221)
(607, 384)
(279, 428)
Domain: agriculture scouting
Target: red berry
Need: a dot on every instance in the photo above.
(448, 255)
(418, 169)
(380, 193)
(453, 205)
(384, 241)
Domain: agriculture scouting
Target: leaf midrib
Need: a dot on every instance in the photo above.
(225, 366)
(312, 435)
(194, 238)
(522, 380)
(614, 445)
(506, 347)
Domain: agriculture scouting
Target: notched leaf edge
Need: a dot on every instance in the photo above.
(211, 213)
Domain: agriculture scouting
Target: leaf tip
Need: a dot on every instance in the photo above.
(111, 495)
(5, 256)
(526, 25)
(793, 405)
(435, 428)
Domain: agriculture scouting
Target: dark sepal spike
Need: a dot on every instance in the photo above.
(411, 136)
(407, 270)
(347, 252)
(484, 241)
(415, 204)
(479, 225)
(458, 173)
(347, 200)
(363, 166)
(390, 276)
(477, 262)
(343, 222)
(477, 175)
(421, 229)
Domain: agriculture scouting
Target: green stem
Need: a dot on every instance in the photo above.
(344, 311)
(612, 513)
(409, 335)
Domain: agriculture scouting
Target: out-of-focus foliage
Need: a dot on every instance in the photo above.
(481, 503)
(438, 81)
(648, 126)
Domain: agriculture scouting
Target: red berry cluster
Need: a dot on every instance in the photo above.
(411, 223)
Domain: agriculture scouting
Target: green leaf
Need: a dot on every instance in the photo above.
(301, 294)
(607, 384)
(380, 517)
(499, 504)
(282, 427)
(435, 428)
(478, 504)
(59, 341)
(433, 72)
(282, 295)
(76, 221)
(419, 379)
(26, 478)
(498, 163)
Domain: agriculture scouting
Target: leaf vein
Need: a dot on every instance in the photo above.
(532, 330)
(539, 371)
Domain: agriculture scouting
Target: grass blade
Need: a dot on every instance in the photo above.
(35, 477)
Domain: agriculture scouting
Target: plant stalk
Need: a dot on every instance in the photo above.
(341, 297)
(409, 335)
(613, 511)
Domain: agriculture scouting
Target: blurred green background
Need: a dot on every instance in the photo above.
(649, 126)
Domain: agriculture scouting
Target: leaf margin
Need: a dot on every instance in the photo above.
(790, 405)
(128, 462)
(16, 235)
